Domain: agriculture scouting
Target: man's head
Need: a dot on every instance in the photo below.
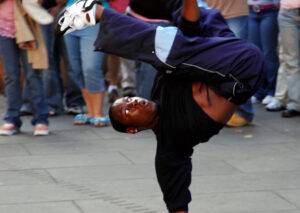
(132, 114)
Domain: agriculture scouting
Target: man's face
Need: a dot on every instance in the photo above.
(134, 111)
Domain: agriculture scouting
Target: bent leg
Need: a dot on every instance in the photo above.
(234, 62)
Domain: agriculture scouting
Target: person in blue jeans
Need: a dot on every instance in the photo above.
(86, 69)
(245, 112)
(52, 79)
(15, 59)
(11, 56)
(263, 32)
(236, 15)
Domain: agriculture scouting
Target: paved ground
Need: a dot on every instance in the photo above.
(255, 169)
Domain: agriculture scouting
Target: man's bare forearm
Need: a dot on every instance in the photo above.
(190, 10)
(99, 11)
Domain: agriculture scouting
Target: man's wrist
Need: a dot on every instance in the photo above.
(99, 10)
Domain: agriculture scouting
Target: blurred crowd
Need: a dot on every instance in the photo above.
(44, 75)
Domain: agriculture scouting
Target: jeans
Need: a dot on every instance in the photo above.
(84, 61)
(51, 76)
(239, 25)
(263, 32)
(72, 92)
(11, 57)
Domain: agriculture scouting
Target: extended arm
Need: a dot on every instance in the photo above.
(174, 173)
(190, 10)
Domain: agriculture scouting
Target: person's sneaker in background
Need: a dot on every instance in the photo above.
(268, 99)
(74, 110)
(237, 121)
(128, 92)
(254, 100)
(274, 105)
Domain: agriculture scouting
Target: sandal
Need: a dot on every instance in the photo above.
(100, 121)
(8, 129)
(82, 119)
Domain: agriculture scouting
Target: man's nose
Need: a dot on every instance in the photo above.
(134, 102)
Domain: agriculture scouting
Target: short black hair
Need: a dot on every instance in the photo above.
(116, 124)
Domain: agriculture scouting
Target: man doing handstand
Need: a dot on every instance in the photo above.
(204, 72)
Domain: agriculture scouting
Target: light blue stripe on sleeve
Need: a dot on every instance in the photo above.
(202, 3)
(164, 39)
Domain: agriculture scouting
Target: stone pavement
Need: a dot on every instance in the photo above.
(82, 169)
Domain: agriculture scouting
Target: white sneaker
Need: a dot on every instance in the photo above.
(41, 130)
(77, 16)
(254, 100)
(268, 99)
(274, 105)
(8, 129)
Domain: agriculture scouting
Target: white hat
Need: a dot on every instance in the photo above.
(37, 12)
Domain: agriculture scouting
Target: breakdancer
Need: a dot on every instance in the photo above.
(204, 72)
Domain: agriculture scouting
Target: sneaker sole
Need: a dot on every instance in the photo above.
(9, 132)
(41, 132)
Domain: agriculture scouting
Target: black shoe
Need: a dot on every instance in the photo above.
(25, 113)
(128, 92)
(289, 113)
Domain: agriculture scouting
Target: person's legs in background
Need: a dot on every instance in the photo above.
(51, 76)
(34, 81)
(280, 98)
(263, 32)
(94, 84)
(73, 99)
(289, 22)
(68, 94)
(86, 68)
(128, 77)
(244, 113)
(269, 40)
(113, 70)
(10, 55)
(145, 74)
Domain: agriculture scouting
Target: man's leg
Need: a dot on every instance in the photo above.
(233, 66)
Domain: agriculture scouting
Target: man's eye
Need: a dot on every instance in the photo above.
(126, 111)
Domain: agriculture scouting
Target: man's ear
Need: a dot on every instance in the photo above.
(131, 130)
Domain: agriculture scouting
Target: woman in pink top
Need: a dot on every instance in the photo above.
(13, 57)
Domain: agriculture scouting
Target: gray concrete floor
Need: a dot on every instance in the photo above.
(82, 169)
